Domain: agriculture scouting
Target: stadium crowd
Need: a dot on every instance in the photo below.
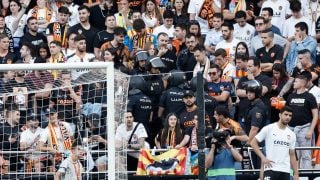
(162, 45)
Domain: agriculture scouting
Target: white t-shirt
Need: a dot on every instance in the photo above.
(229, 71)
(122, 133)
(150, 22)
(75, 73)
(315, 91)
(70, 170)
(289, 29)
(162, 28)
(230, 47)
(280, 9)
(213, 37)
(194, 8)
(244, 34)
(22, 23)
(278, 143)
(46, 138)
(28, 136)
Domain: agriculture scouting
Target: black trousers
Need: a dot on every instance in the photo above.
(276, 175)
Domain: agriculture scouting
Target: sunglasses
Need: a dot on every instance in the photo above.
(259, 24)
(212, 73)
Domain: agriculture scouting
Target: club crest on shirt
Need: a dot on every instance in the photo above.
(248, 32)
(272, 54)
(258, 115)
(288, 137)
(80, 31)
(280, 7)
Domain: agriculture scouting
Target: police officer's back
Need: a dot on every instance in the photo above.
(138, 103)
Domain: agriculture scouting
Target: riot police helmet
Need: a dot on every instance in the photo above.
(176, 77)
(254, 86)
(154, 62)
(193, 84)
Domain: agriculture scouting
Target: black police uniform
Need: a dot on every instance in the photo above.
(140, 106)
(172, 100)
(255, 115)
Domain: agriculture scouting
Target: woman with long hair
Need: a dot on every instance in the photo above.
(171, 135)
(194, 28)
(71, 45)
(43, 51)
(152, 16)
(110, 55)
(242, 48)
(279, 79)
(4, 7)
(16, 21)
(180, 13)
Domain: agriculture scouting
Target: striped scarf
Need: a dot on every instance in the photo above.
(57, 33)
(67, 142)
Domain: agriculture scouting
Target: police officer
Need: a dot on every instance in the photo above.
(256, 115)
(209, 102)
(138, 103)
(139, 63)
(171, 99)
(155, 87)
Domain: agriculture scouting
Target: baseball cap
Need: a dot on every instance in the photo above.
(188, 93)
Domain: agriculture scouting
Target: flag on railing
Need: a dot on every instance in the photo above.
(192, 167)
(170, 162)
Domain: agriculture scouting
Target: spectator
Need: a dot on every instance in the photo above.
(304, 118)
(289, 24)
(10, 134)
(85, 28)
(7, 76)
(242, 48)
(186, 60)
(56, 56)
(229, 42)
(171, 134)
(28, 142)
(16, 21)
(194, 28)
(4, 7)
(98, 15)
(73, 8)
(279, 14)
(237, 134)
(131, 135)
(243, 31)
(166, 53)
(152, 16)
(66, 100)
(139, 36)
(4, 166)
(118, 45)
(122, 17)
(314, 90)
(27, 53)
(178, 42)
(214, 35)
(279, 79)
(301, 41)
(270, 53)
(188, 115)
(57, 31)
(203, 62)
(43, 13)
(218, 89)
(6, 31)
(56, 138)
(6, 56)
(180, 13)
(80, 56)
(222, 60)
(167, 26)
(104, 35)
(267, 14)
(32, 34)
(241, 67)
(71, 45)
(256, 41)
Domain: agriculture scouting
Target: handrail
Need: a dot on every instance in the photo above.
(130, 150)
